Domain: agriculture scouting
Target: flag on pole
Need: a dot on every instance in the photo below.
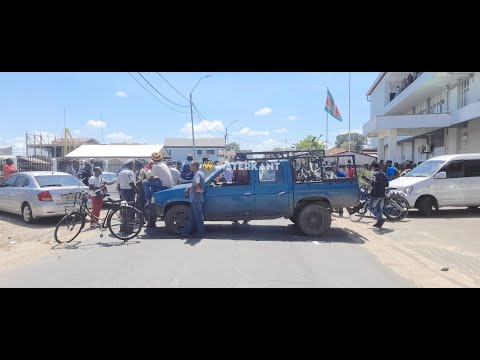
(331, 107)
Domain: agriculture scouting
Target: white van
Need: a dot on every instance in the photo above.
(450, 180)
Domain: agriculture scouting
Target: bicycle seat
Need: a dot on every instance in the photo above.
(110, 200)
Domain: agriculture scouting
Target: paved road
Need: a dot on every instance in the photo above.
(261, 254)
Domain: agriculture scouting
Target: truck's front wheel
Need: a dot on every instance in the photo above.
(314, 220)
(176, 219)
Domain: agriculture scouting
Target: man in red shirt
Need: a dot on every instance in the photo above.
(350, 171)
(9, 168)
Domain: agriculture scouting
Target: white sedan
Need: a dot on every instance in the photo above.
(39, 194)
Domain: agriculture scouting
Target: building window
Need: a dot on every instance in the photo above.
(463, 93)
(210, 152)
(199, 152)
(170, 153)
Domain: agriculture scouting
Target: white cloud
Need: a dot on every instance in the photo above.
(268, 145)
(292, 118)
(263, 111)
(249, 132)
(202, 129)
(281, 131)
(76, 132)
(119, 136)
(97, 124)
(121, 93)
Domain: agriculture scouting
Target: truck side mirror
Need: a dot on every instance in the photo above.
(441, 175)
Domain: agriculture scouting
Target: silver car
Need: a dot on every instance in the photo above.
(38, 194)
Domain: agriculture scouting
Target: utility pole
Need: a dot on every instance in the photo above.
(226, 136)
(191, 114)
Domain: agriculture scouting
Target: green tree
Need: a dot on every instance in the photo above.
(233, 146)
(309, 143)
(358, 141)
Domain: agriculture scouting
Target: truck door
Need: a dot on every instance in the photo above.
(271, 190)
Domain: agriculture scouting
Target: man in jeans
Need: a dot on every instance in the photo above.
(196, 195)
(379, 184)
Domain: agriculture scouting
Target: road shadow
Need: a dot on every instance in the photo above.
(17, 220)
(256, 232)
(68, 246)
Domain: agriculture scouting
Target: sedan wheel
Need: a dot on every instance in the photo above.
(28, 214)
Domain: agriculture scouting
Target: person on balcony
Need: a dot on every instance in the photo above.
(410, 79)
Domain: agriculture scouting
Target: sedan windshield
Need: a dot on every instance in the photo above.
(426, 169)
(57, 180)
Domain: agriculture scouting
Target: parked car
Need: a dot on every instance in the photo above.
(450, 180)
(262, 195)
(112, 190)
(36, 195)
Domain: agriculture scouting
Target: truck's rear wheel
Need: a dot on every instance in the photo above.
(176, 219)
(314, 220)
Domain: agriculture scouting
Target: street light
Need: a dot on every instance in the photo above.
(191, 113)
(226, 134)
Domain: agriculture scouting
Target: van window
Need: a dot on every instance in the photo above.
(472, 168)
(454, 169)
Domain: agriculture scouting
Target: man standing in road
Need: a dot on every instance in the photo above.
(195, 192)
(379, 184)
(177, 179)
(86, 173)
(70, 169)
(160, 177)
(391, 171)
(126, 182)
(186, 172)
(9, 168)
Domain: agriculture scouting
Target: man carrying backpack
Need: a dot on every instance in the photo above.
(186, 172)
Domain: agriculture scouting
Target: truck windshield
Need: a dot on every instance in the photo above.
(426, 169)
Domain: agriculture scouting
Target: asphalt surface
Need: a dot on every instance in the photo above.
(259, 254)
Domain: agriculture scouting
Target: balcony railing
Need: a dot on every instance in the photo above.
(409, 80)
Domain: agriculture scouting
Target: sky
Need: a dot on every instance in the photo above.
(266, 109)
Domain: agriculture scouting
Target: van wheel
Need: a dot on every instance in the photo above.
(314, 220)
(425, 207)
(176, 219)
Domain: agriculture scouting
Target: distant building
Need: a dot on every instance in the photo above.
(360, 158)
(6, 150)
(211, 147)
(436, 113)
(40, 145)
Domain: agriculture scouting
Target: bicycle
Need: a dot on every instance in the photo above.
(123, 220)
(395, 208)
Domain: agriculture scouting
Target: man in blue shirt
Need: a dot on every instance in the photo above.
(186, 171)
(391, 171)
(195, 192)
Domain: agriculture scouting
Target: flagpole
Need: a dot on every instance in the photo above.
(326, 138)
(349, 136)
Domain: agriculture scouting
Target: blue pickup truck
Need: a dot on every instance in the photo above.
(261, 192)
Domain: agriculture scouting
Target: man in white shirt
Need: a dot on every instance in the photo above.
(160, 177)
(177, 179)
(97, 186)
(126, 182)
(228, 174)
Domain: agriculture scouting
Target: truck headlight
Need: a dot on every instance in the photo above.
(409, 190)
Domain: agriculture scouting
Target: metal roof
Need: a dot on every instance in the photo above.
(206, 142)
(116, 152)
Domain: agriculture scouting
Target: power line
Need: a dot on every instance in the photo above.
(205, 124)
(160, 101)
(154, 88)
(173, 87)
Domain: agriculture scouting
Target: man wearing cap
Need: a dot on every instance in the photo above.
(160, 177)
(126, 182)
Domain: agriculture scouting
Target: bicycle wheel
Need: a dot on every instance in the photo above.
(125, 223)
(396, 208)
(69, 227)
(359, 214)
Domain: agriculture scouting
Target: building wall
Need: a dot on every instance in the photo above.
(181, 153)
(473, 133)
(378, 100)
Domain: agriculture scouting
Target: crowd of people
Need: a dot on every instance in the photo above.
(407, 82)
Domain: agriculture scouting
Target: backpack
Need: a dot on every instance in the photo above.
(186, 172)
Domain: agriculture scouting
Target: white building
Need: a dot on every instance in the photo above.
(436, 114)
(211, 147)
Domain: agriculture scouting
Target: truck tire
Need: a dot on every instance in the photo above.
(176, 218)
(314, 220)
(293, 219)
